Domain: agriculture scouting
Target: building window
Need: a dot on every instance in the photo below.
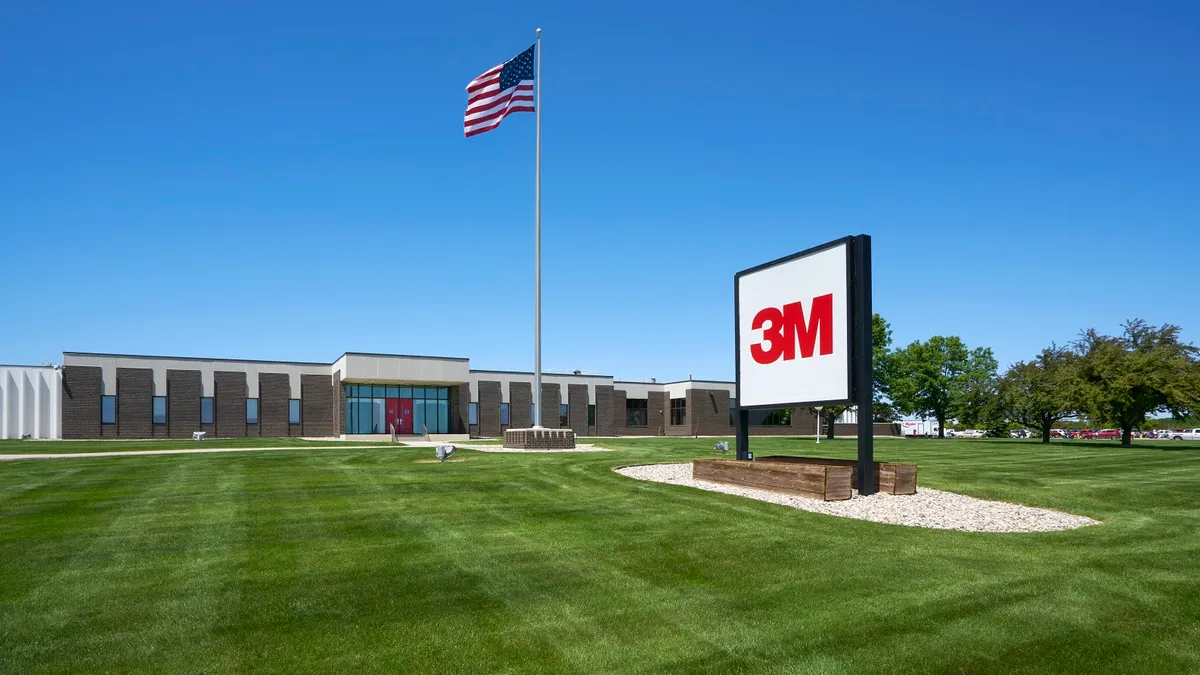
(473, 413)
(591, 415)
(733, 412)
(293, 411)
(160, 409)
(533, 414)
(678, 411)
(635, 412)
(108, 409)
(503, 414)
(206, 410)
(564, 417)
(779, 417)
(251, 411)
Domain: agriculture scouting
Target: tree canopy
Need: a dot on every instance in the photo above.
(1144, 370)
(1038, 393)
(939, 378)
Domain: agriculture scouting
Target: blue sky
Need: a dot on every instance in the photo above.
(289, 180)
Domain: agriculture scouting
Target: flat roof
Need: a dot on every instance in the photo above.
(530, 373)
(193, 358)
(293, 363)
(403, 356)
(17, 365)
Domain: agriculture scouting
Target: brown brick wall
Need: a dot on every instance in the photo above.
(81, 391)
(317, 406)
(551, 399)
(339, 406)
(229, 406)
(460, 412)
(708, 412)
(273, 394)
(605, 420)
(489, 408)
(658, 411)
(184, 390)
(520, 397)
(577, 408)
(135, 389)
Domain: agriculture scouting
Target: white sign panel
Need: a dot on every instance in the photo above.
(793, 330)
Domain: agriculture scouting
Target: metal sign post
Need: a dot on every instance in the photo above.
(835, 292)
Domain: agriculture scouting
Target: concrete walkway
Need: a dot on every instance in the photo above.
(187, 451)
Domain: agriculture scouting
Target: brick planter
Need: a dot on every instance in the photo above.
(539, 439)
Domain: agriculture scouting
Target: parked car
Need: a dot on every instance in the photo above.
(1057, 433)
(1019, 433)
(1185, 435)
(972, 433)
(1085, 434)
(1108, 434)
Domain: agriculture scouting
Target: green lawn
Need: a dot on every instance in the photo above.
(30, 447)
(362, 560)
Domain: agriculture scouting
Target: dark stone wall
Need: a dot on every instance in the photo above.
(460, 411)
(520, 401)
(184, 390)
(317, 407)
(489, 408)
(658, 411)
(605, 411)
(229, 406)
(551, 399)
(135, 389)
(273, 394)
(605, 425)
(81, 392)
(577, 408)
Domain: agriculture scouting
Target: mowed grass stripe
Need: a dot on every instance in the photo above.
(364, 560)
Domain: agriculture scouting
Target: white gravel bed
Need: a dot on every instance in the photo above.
(928, 508)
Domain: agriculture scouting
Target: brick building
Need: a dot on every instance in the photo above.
(362, 395)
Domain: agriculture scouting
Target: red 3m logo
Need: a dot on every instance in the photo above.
(783, 326)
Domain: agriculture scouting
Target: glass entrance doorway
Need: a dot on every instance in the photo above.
(375, 409)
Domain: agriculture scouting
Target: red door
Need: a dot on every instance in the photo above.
(393, 416)
(405, 418)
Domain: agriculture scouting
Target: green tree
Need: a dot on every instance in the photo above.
(1143, 371)
(881, 343)
(828, 416)
(1038, 393)
(940, 378)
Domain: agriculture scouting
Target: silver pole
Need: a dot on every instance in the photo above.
(537, 245)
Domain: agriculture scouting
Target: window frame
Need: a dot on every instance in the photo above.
(591, 414)
(504, 415)
(473, 413)
(154, 401)
(299, 411)
(108, 397)
(678, 405)
(257, 410)
(212, 409)
(644, 409)
(564, 416)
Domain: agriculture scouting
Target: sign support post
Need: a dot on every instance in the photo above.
(864, 390)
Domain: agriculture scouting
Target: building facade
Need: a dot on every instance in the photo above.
(120, 396)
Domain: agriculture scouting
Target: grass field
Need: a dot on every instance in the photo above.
(13, 447)
(361, 560)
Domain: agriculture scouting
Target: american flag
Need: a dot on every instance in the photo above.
(507, 88)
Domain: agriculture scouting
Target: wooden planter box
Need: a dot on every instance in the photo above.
(890, 477)
(817, 481)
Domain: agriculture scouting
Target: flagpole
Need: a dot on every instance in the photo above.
(537, 245)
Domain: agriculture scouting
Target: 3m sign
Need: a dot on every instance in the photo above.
(793, 329)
